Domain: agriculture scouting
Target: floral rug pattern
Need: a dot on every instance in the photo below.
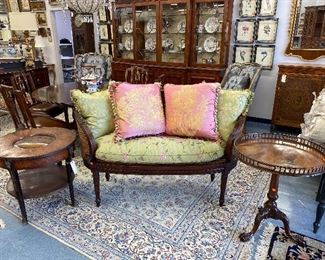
(148, 217)
(281, 247)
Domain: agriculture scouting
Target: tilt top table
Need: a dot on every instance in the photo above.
(33, 158)
(279, 154)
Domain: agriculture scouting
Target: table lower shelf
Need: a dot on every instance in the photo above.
(41, 181)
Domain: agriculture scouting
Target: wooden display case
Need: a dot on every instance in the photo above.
(294, 93)
(186, 40)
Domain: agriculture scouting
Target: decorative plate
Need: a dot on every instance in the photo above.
(168, 43)
(182, 44)
(151, 26)
(128, 26)
(181, 26)
(128, 44)
(150, 44)
(210, 44)
(212, 24)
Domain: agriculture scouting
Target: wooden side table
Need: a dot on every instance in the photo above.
(33, 158)
(279, 154)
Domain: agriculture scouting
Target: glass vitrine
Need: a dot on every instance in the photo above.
(173, 31)
(124, 32)
(146, 33)
(208, 32)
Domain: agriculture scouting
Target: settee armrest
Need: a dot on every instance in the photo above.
(237, 131)
(87, 140)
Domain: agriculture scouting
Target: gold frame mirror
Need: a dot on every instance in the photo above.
(301, 44)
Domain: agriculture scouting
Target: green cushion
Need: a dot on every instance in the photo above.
(96, 109)
(231, 104)
(158, 149)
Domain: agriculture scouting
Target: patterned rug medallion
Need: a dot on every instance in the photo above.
(283, 248)
(151, 217)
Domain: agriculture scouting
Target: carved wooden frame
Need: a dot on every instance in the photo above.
(304, 54)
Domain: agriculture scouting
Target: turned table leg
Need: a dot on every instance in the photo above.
(321, 206)
(270, 210)
(70, 176)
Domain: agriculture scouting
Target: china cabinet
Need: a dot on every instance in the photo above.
(187, 40)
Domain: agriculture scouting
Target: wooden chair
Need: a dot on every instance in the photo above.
(25, 83)
(23, 117)
(136, 75)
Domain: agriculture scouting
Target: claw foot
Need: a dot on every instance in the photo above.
(244, 237)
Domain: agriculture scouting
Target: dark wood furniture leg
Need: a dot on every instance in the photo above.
(271, 210)
(16, 182)
(70, 176)
(96, 185)
(321, 205)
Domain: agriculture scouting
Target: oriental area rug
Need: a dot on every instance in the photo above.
(151, 217)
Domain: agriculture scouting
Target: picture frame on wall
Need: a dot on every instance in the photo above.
(13, 6)
(264, 55)
(267, 30)
(3, 6)
(267, 7)
(54, 2)
(247, 8)
(42, 32)
(104, 48)
(102, 14)
(243, 54)
(38, 6)
(41, 19)
(245, 31)
(103, 32)
(24, 5)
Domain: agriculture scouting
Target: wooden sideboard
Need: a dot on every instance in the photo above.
(294, 93)
(40, 76)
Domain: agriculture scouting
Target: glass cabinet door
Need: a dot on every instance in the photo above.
(124, 33)
(208, 32)
(146, 33)
(173, 31)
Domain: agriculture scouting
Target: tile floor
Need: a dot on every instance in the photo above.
(296, 199)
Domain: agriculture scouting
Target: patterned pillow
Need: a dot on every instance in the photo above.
(191, 110)
(96, 109)
(232, 103)
(138, 110)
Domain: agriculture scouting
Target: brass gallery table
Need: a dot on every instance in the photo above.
(279, 155)
(37, 154)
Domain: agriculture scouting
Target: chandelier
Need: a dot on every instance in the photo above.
(83, 6)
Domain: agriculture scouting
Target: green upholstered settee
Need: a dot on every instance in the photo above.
(155, 155)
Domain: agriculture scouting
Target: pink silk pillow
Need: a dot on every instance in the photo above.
(138, 110)
(191, 110)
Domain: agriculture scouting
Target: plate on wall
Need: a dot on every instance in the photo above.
(150, 44)
(151, 26)
(128, 26)
(212, 24)
(168, 43)
(128, 44)
(210, 44)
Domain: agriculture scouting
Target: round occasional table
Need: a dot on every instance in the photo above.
(278, 154)
(33, 158)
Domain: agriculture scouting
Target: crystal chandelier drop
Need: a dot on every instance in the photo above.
(83, 6)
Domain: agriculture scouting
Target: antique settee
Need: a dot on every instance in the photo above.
(147, 155)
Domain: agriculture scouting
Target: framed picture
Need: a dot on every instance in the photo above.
(245, 31)
(264, 55)
(24, 6)
(248, 8)
(49, 34)
(243, 54)
(103, 32)
(102, 15)
(13, 6)
(37, 6)
(54, 2)
(41, 19)
(3, 6)
(267, 7)
(42, 32)
(267, 30)
(104, 48)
